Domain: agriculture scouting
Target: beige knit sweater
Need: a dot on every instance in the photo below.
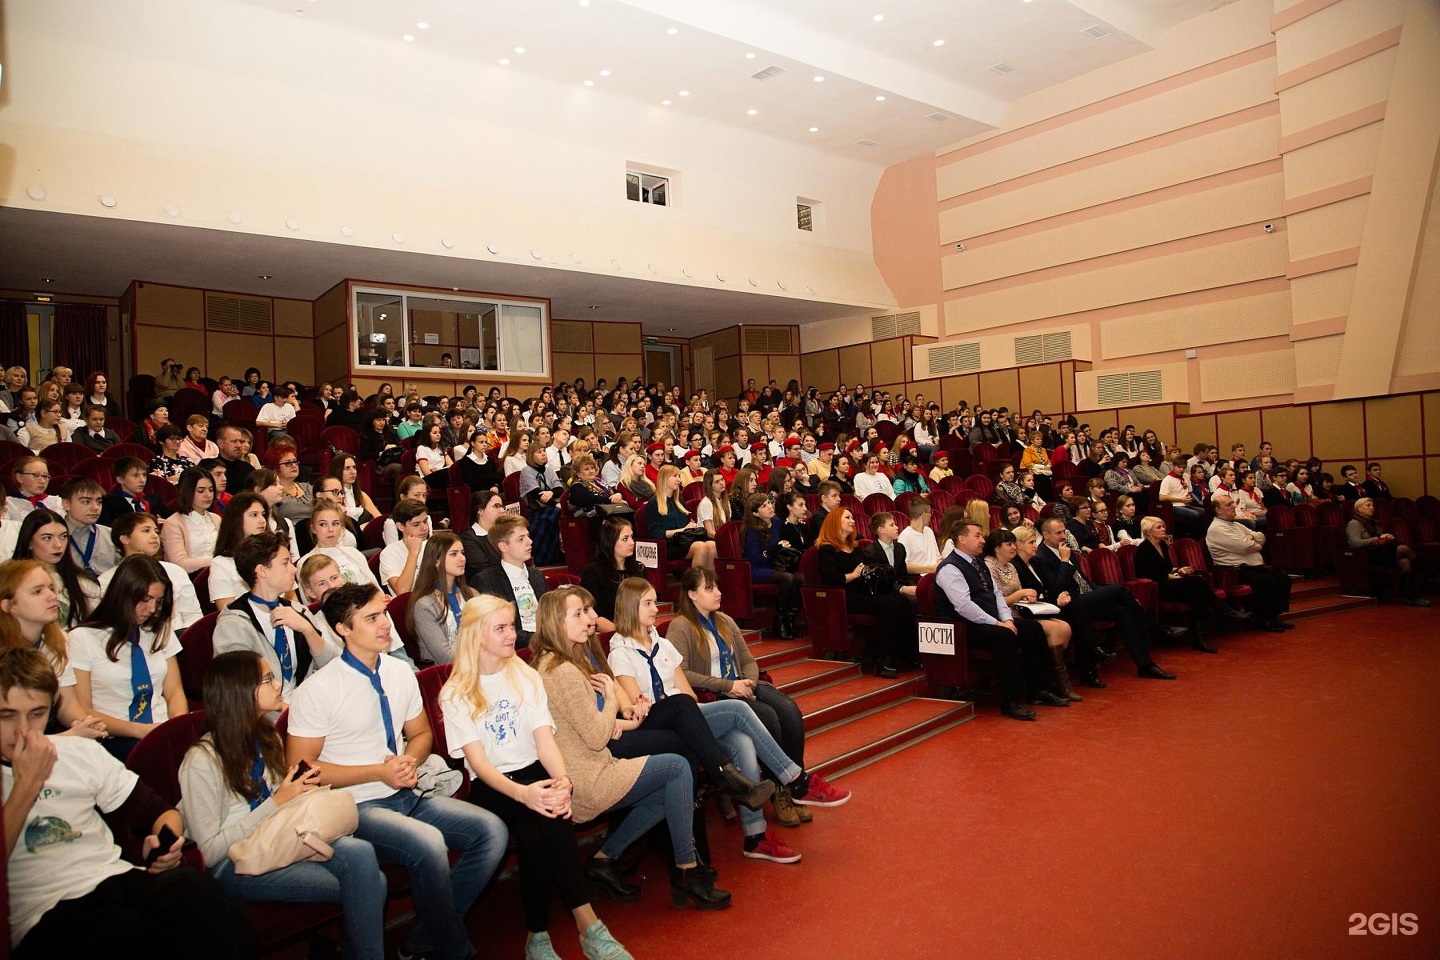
(697, 667)
(583, 734)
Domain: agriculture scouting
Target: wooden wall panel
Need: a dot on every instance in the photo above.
(1339, 431)
(332, 359)
(294, 318)
(1288, 429)
(785, 368)
(855, 365)
(160, 305)
(1098, 419)
(887, 361)
(757, 368)
(1000, 388)
(233, 352)
(1240, 427)
(1197, 429)
(1405, 477)
(1392, 426)
(727, 376)
(1040, 389)
(569, 366)
(930, 389)
(821, 369)
(962, 389)
(1431, 411)
(612, 366)
(1432, 476)
(295, 359)
(331, 310)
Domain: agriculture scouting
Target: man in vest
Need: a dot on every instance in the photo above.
(966, 591)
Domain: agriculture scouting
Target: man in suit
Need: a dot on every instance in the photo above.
(1349, 488)
(1111, 602)
(1374, 487)
(964, 590)
(513, 578)
(829, 500)
(130, 475)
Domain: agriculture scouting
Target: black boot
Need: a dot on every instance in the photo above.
(785, 624)
(1197, 641)
(692, 884)
(605, 875)
(732, 783)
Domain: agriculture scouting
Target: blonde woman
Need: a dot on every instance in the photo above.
(634, 486)
(497, 717)
(667, 519)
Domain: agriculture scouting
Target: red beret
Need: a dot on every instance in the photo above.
(761, 447)
(692, 453)
(827, 445)
(784, 462)
(724, 450)
(792, 441)
(655, 446)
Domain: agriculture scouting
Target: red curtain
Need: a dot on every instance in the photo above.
(79, 338)
(14, 334)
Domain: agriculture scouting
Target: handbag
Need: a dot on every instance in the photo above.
(302, 829)
(784, 559)
(877, 578)
(680, 544)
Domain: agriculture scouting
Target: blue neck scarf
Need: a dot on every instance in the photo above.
(454, 598)
(657, 686)
(87, 553)
(727, 659)
(599, 697)
(282, 646)
(257, 776)
(141, 687)
(374, 677)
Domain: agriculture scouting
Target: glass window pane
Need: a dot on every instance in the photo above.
(522, 331)
(380, 329)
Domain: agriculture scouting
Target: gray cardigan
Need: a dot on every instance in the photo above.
(430, 632)
(214, 817)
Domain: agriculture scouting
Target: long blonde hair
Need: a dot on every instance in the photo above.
(662, 499)
(464, 687)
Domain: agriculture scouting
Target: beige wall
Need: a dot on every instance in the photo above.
(1132, 205)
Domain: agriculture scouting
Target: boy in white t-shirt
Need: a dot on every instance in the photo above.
(279, 411)
(72, 894)
(922, 552)
(399, 560)
(360, 719)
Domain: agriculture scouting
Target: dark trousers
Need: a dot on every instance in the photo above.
(898, 635)
(674, 725)
(549, 857)
(144, 916)
(787, 586)
(1270, 590)
(1192, 591)
(782, 719)
(1113, 602)
(1015, 679)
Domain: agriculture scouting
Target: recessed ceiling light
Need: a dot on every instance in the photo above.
(814, 129)
(684, 93)
(604, 73)
(447, 243)
(107, 200)
(504, 62)
(749, 56)
(672, 31)
(878, 17)
(299, 13)
(880, 97)
(939, 43)
(665, 103)
(408, 38)
(35, 192)
(47, 279)
(347, 231)
(751, 112)
(819, 78)
(589, 83)
(172, 210)
(292, 224)
(264, 276)
(235, 218)
(519, 49)
(422, 25)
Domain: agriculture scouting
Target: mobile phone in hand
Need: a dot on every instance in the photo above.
(167, 839)
(302, 768)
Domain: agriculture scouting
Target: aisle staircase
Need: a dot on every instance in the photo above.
(1319, 597)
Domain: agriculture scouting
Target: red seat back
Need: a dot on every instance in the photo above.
(67, 456)
(398, 607)
(1125, 553)
(196, 651)
(1105, 567)
(727, 540)
(156, 758)
(342, 438)
(373, 536)
(201, 581)
(876, 503)
(123, 449)
(925, 595)
(240, 412)
(510, 488)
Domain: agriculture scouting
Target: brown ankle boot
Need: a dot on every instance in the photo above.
(1062, 676)
(787, 811)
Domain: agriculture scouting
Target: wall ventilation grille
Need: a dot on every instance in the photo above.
(238, 314)
(571, 337)
(938, 117)
(1043, 348)
(895, 325)
(1096, 32)
(767, 73)
(867, 143)
(767, 339)
(952, 358)
(1000, 68)
(1144, 386)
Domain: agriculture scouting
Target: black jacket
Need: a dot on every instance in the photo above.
(494, 581)
(874, 553)
(479, 552)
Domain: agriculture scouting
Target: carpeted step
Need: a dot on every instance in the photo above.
(796, 678)
(1318, 606)
(844, 701)
(770, 654)
(846, 747)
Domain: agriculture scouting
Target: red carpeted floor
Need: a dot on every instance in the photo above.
(1247, 809)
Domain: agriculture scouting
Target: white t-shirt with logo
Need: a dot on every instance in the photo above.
(352, 563)
(110, 690)
(526, 603)
(65, 850)
(338, 703)
(506, 730)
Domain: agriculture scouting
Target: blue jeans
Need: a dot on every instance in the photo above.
(665, 790)
(351, 878)
(418, 835)
(749, 744)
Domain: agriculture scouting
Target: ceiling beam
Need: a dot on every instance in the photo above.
(769, 30)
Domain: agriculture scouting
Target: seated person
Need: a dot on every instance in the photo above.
(409, 488)
(1382, 550)
(1231, 544)
(318, 576)
(71, 892)
(90, 543)
(922, 552)
(128, 496)
(764, 544)
(189, 534)
(886, 549)
(486, 506)
(362, 721)
(31, 475)
(95, 436)
(329, 490)
(168, 464)
(263, 621)
(964, 590)
(139, 534)
(398, 561)
(326, 528)
(434, 610)
(614, 562)
(512, 578)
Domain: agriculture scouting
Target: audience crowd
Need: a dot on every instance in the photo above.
(242, 521)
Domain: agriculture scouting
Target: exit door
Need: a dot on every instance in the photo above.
(662, 363)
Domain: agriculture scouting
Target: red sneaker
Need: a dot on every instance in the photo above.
(821, 794)
(774, 849)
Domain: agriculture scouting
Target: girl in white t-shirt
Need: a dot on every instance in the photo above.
(327, 526)
(647, 666)
(247, 515)
(432, 460)
(124, 656)
(498, 718)
(28, 608)
(713, 510)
